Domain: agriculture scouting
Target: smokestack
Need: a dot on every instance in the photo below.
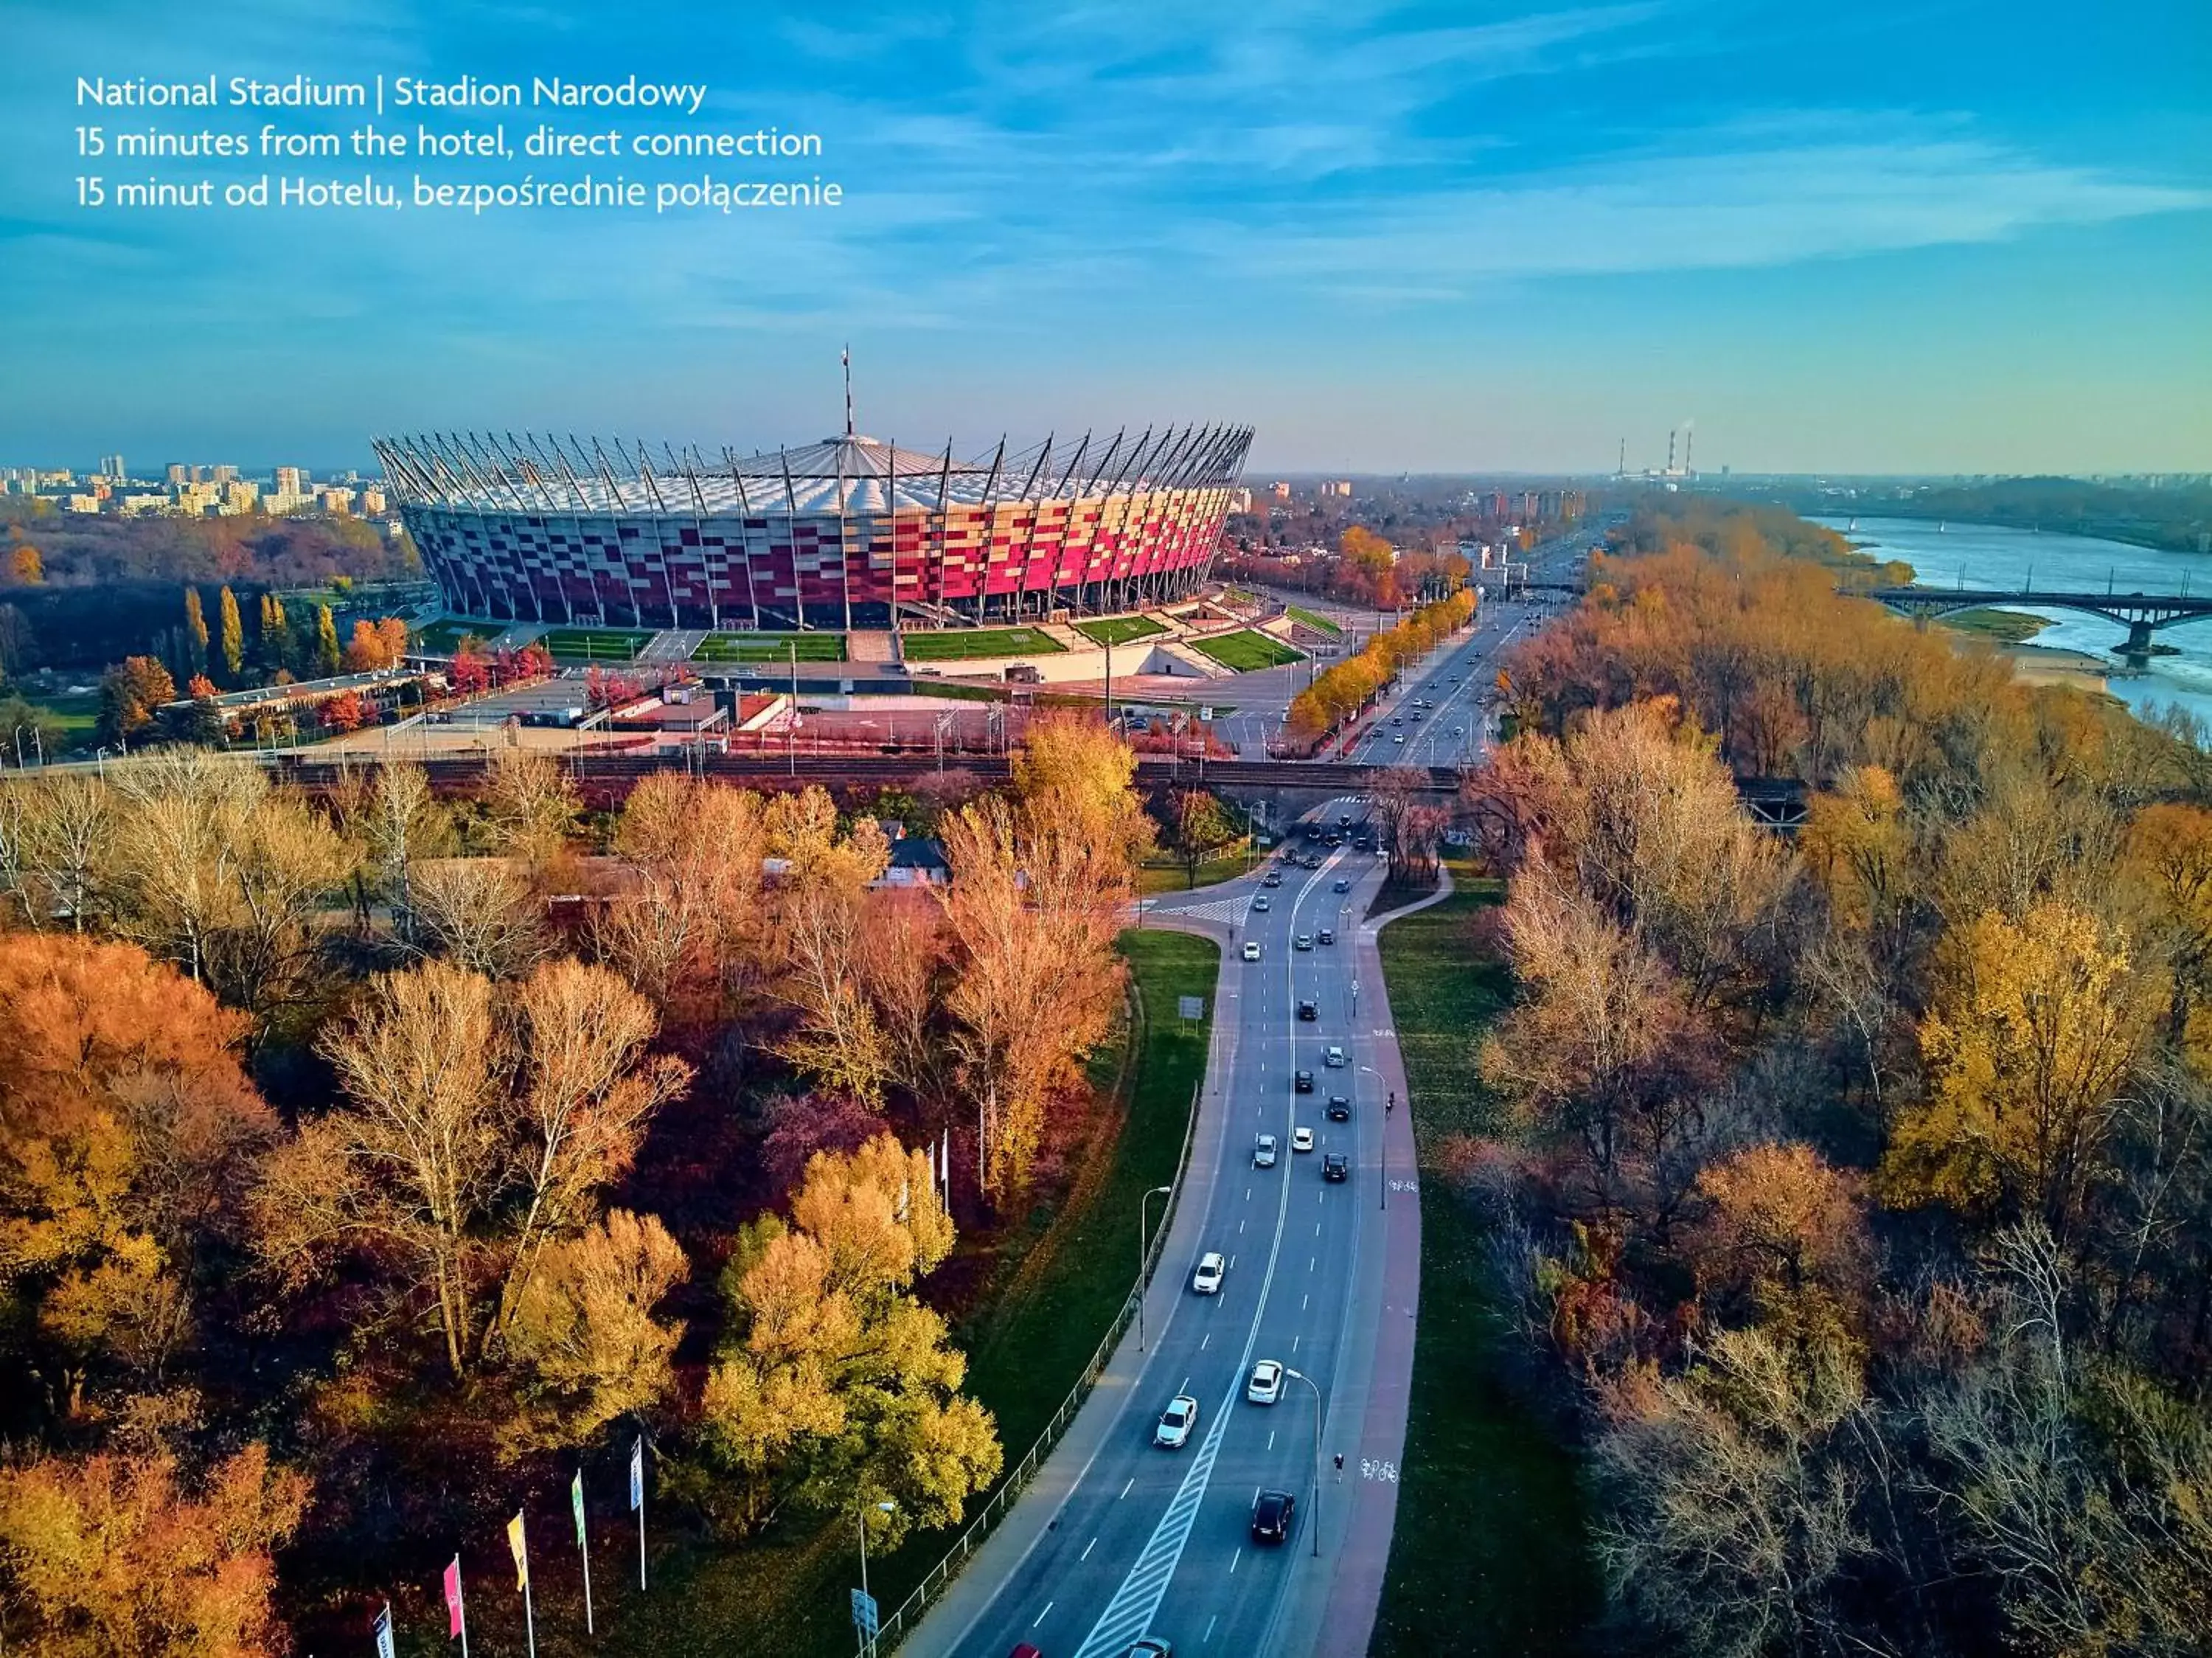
(1621, 470)
(1670, 454)
(1688, 438)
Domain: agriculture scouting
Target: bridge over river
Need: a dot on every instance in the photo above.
(2140, 613)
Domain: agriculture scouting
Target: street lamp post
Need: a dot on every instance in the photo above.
(867, 1643)
(1316, 1524)
(1143, 1239)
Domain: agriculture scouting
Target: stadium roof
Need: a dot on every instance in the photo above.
(533, 475)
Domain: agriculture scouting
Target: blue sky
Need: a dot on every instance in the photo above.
(1972, 236)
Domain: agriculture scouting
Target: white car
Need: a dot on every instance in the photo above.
(1302, 942)
(1260, 904)
(1333, 1057)
(1206, 1280)
(1302, 1139)
(1266, 1384)
(1176, 1422)
(1252, 952)
(1263, 1152)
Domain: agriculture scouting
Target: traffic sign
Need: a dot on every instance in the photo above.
(864, 1612)
(1191, 1007)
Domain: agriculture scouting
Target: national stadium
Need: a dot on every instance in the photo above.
(842, 534)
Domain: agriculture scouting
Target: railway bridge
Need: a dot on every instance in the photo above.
(2141, 614)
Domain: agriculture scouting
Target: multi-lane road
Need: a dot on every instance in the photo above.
(1122, 1539)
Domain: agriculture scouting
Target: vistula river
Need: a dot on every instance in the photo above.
(1992, 556)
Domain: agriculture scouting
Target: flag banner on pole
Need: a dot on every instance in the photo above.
(521, 1553)
(637, 1474)
(576, 1502)
(454, 1620)
(382, 1628)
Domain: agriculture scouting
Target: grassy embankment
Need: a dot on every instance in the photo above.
(958, 645)
(768, 648)
(1489, 1554)
(1247, 651)
(1168, 873)
(1314, 620)
(596, 645)
(1055, 1284)
(1118, 630)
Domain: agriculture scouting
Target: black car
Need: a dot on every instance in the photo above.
(1271, 1516)
(1335, 1166)
(1342, 885)
(1307, 1010)
(1326, 936)
(1303, 1082)
(1339, 1108)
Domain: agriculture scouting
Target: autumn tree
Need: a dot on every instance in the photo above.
(688, 931)
(25, 567)
(326, 662)
(477, 1129)
(132, 694)
(1202, 827)
(196, 631)
(2037, 1029)
(233, 635)
(1732, 1525)
(1075, 774)
(1034, 907)
(584, 1334)
(273, 634)
(1784, 1238)
(530, 806)
(127, 1129)
(56, 848)
(478, 913)
(394, 821)
(838, 1388)
(109, 1555)
(819, 905)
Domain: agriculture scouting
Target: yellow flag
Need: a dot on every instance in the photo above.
(521, 1555)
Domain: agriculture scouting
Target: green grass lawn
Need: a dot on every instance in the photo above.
(1118, 630)
(596, 645)
(1490, 1555)
(1314, 620)
(1247, 651)
(955, 644)
(76, 714)
(2003, 627)
(444, 636)
(1058, 1286)
(770, 647)
(1170, 874)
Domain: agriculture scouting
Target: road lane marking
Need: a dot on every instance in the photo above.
(1125, 1490)
(1046, 1614)
(1233, 1561)
(1087, 1547)
(1203, 1339)
(1210, 1622)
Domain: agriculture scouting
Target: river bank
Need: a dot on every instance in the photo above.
(2073, 648)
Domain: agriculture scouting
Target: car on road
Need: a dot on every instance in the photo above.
(1333, 1056)
(1263, 1152)
(1339, 1108)
(1271, 1516)
(1308, 1011)
(1023, 1649)
(1335, 1166)
(1302, 1081)
(1151, 1646)
(1252, 952)
(1206, 1280)
(1397, 719)
(1396, 738)
(1265, 1385)
(1272, 878)
(1301, 1138)
(1302, 942)
(1260, 904)
(1343, 885)
(1175, 1422)
(1327, 935)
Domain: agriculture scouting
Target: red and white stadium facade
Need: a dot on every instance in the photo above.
(849, 532)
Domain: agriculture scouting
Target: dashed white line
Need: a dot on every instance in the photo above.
(1087, 1547)
(1233, 1560)
(1125, 1490)
(1042, 1616)
(1270, 1438)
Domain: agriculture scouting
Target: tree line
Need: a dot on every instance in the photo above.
(1341, 689)
(1860, 1188)
(360, 1155)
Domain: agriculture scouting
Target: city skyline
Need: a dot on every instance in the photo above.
(1923, 241)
